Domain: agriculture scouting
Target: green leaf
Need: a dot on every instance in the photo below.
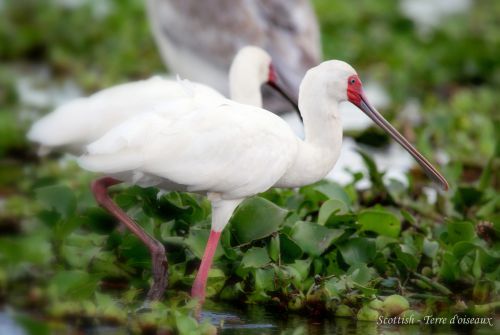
(302, 266)
(264, 279)
(460, 231)
(329, 208)
(380, 221)
(476, 266)
(360, 273)
(408, 259)
(255, 257)
(466, 197)
(274, 248)
(357, 250)
(256, 218)
(74, 284)
(59, 198)
(313, 238)
(333, 191)
(185, 324)
(197, 241)
(290, 251)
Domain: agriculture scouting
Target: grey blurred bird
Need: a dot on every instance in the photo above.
(199, 38)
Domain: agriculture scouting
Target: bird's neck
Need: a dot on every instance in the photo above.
(244, 85)
(319, 151)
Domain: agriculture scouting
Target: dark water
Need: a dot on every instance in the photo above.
(257, 320)
(232, 320)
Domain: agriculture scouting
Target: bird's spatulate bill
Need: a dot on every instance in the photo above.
(430, 170)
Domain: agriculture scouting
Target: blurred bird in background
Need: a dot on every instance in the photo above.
(199, 39)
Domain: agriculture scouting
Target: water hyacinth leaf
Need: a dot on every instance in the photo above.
(449, 267)
(197, 241)
(255, 257)
(466, 197)
(225, 242)
(383, 241)
(302, 266)
(408, 259)
(488, 258)
(460, 231)
(215, 282)
(288, 273)
(408, 217)
(186, 324)
(264, 279)
(178, 206)
(274, 248)
(30, 249)
(313, 238)
(64, 228)
(254, 219)
(59, 198)
(333, 191)
(360, 273)
(329, 208)
(380, 221)
(357, 250)
(74, 284)
(461, 249)
(290, 251)
(476, 266)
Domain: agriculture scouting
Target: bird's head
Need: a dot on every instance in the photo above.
(343, 84)
(256, 63)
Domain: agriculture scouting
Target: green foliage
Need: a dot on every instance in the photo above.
(323, 248)
(254, 219)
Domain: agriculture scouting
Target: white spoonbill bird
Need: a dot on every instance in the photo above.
(74, 125)
(231, 152)
(198, 39)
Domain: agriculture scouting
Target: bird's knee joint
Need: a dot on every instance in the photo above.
(158, 250)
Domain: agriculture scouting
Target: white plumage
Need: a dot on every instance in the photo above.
(79, 122)
(232, 149)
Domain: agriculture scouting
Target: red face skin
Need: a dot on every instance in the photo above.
(272, 74)
(355, 90)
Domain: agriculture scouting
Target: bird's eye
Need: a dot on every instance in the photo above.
(353, 81)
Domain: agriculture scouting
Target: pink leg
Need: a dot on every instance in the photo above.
(200, 283)
(157, 250)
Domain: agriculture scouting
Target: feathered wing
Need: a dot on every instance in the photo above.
(232, 149)
(84, 120)
(293, 38)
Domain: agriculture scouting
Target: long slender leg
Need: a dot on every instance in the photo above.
(158, 257)
(221, 212)
(200, 282)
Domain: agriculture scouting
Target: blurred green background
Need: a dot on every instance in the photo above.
(446, 74)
